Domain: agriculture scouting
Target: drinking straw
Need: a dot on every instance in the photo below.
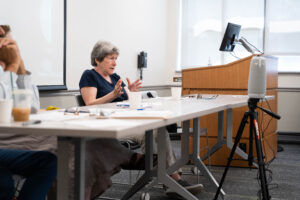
(11, 81)
(12, 87)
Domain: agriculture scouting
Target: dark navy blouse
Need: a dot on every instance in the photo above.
(91, 78)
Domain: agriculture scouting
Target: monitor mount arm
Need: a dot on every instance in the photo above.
(244, 44)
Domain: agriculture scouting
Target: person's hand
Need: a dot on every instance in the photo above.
(7, 41)
(2, 32)
(2, 64)
(118, 88)
(135, 86)
(10, 54)
(22, 69)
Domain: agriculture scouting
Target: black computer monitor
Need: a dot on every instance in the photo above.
(231, 34)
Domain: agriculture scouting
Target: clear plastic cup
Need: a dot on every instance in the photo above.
(21, 104)
(176, 92)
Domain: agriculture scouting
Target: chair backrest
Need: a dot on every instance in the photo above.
(79, 99)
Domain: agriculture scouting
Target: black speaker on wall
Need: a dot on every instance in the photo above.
(142, 60)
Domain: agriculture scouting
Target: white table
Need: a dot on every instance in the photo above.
(182, 111)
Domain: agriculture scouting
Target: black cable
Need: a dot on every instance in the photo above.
(233, 54)
(269, 173)
(269, 107)
(264, 130)
(141, 73)
(269, 176)
(261, 119)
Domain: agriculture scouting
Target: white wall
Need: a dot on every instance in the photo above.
(37, 26)
(133, 26)
(289, 102)
(289, 80)
(289, 110)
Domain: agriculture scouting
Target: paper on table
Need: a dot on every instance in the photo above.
(143, 105)
(55, 116)
(101, 123)
(136, 114)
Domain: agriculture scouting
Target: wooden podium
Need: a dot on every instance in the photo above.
(232, 78)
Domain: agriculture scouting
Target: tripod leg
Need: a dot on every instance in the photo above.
(261, 164)
(236, 141)
(251, 132)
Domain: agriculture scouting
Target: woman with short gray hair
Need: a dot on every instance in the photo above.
(101, 84)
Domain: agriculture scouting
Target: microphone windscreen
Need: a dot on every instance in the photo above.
(257, 78)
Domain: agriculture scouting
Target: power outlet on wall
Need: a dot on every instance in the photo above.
(177, 79)
(243, 146)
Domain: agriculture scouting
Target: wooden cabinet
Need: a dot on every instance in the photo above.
(232, 78)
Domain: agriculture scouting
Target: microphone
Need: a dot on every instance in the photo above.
(257, 78)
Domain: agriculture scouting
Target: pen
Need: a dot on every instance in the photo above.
(32, 122)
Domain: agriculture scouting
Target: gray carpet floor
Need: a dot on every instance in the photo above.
(283, 175)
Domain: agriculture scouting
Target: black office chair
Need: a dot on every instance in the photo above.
(79, 100)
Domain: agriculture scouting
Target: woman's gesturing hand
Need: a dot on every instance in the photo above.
(118, 88)
(135, 86)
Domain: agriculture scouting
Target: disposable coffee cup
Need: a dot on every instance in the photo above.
(135, 99)
(176, 92)
(5, 110)
(21, 104)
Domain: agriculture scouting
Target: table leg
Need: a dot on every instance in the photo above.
(79, 172)
(147, 176)
(220, 141)
(196, 152)
(184, 149)
(162, 174)
(62, 168)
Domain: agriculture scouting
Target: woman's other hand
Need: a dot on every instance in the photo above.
(135, 86)
(118, 88)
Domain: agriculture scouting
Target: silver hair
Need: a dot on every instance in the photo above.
(102, 49)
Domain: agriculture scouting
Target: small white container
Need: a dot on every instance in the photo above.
(135, 99)
(5, 110)
(176, 93)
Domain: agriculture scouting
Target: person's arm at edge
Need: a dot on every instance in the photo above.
(5, 81)
(9, 47)
(21, 82)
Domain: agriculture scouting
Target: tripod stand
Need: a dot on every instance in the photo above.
(254, 131)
